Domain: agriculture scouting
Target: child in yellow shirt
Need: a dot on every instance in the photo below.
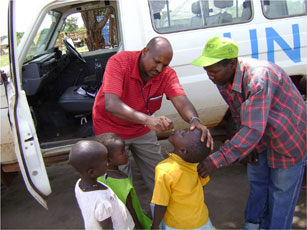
(178, 195)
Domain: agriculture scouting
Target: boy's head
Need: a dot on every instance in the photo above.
(89, 158)
(117, 155)
(188, 146)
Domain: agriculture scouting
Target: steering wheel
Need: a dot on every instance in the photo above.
(73, 52)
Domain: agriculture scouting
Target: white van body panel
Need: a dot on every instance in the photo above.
(7, 142)
(279, 40)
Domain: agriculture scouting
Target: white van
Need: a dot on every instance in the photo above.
(46, 99)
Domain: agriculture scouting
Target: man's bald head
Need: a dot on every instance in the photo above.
(160, 44)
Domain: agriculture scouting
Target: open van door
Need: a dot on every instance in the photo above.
(26, 143)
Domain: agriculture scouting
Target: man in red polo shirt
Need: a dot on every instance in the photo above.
(132, 90)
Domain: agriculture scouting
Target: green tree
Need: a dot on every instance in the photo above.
(3, 37)
(71, 24)
(19, 36)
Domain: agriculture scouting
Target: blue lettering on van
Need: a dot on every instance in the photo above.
(254, 43)
(227, 35)
(271, 36)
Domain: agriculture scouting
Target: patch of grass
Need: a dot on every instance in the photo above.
(79, 49)
(82, 49)
(4, 60)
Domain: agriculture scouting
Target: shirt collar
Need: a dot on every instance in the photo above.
(237, 80)
(179, 160)
(135, 71)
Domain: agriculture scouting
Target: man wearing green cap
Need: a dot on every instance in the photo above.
(271, 118)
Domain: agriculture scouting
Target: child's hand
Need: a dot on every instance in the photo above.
(159, 212)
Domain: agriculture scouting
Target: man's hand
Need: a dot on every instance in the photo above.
(160, 124)
(205, 133)
(205, 167)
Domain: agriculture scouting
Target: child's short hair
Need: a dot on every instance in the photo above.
(108, 139)
(197, 150)
(86, 154)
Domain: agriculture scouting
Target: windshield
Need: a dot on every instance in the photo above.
(43, 36)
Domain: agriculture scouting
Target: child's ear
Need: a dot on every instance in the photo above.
(109, 161)
(91, 172)
(183, 151)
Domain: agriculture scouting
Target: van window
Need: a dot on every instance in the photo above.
(283, 8)
(177, 15)
(44, 34)
(80, 30)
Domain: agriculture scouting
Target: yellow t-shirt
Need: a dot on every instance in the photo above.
(179, 187)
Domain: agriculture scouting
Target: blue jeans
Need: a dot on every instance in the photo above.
(163, 226)
(273, 195)
(207, 226)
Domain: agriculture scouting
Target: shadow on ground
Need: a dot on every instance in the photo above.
(225, 195)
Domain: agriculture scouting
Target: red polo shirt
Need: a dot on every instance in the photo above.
(122, 78)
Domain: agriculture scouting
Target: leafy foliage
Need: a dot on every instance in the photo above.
(71, 24)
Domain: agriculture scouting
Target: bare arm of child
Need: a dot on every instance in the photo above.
(158, 216)
(129, 205)
(107, 223)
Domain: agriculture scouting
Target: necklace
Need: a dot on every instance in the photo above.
(146, 101)
(89, 187)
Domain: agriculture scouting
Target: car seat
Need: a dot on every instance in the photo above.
(223, 17)
(246, 12)
(79, 99)
(196, 21)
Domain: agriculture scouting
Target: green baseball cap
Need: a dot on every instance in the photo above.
(216, 50)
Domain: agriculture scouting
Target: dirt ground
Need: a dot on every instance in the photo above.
(225, 195)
